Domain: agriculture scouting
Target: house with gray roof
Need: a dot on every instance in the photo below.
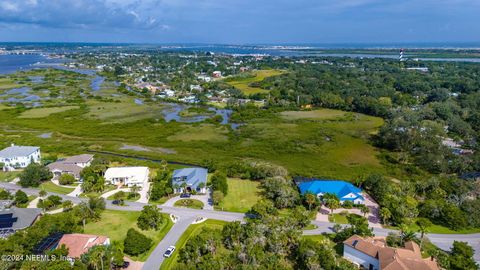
(189, 179)
(72, 165)
(18, 157)
(14, 219)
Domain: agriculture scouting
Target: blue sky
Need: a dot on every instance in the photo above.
(241, 21)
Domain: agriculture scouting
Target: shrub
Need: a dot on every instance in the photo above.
(66, 179)
(33, 175)
(150, 218)
(20, 197)
(136, 243)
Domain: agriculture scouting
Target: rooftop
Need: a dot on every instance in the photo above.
(407, 258)
(79, 244)
(192, 176)
(126, 172)
(83, 158)
(18, 218)
(18, 151)
(339, 188)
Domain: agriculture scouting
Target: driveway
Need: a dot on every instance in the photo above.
(144, 193)
(76, 192)
(156, 259)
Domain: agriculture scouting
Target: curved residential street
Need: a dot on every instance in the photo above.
(186, 216)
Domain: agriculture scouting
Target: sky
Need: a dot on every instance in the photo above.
(241, 21)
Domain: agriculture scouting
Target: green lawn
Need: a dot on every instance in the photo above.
(243, 84)
(338, 218)
(242, 195)
(310, 227)
(51, 187)
(127, 195)
(115, 225)
(189, 203)
(440, 229)
(8, 176)
(98, 194)
(44, 112)
(191, 231)
(160, 201)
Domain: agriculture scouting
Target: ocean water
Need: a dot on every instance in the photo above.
(11, 63)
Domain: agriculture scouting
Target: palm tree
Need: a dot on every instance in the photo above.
(405, 234)
(332, 204)
(364, 209)
(85, 212)
(135, 188)
(385, 214)
(423, 225)
(164, 165)
(310, 199)
(201, 185)
(184, 187)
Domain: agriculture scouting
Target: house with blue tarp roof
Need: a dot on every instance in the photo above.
(191, 179)
(343, 190)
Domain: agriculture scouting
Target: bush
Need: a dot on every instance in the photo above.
(348, 204)
(136, 243)
(66, 179)
(20, 197)
(219, 182)
(33, 175)
(150, 218)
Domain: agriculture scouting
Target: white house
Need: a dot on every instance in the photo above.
(16, 157)
(217, 74)
(128, 176)
(373, 253)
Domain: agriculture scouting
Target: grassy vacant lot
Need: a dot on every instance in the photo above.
(439, 229)
(49, 186)
(320, 114)
(243, 84)
(191, 231)
(338, 218)
(6, 83)
(189, 203)
(124, 111)
(242, 195)
(115, 225)
(44, 112)
(204, 132)
(8, 176)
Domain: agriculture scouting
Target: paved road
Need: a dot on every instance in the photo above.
(156, 258)
(443, 241)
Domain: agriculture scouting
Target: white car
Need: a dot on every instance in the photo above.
(169, 252)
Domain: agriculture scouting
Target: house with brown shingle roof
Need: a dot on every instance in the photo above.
(373, 253)
(79, 244)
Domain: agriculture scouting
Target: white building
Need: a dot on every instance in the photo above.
(373, 253)
(16, 157)
(217, 74)
(204, 78)
(128, 176)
